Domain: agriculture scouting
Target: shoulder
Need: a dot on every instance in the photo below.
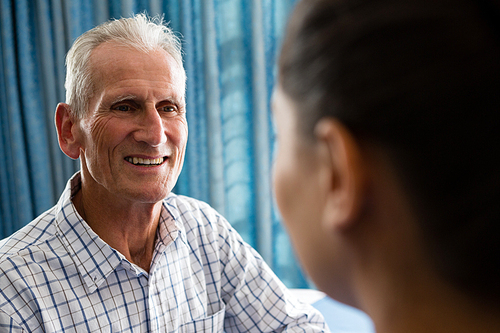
(31, 235)
(29, 258)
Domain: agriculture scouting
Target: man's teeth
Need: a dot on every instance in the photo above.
(145, 161)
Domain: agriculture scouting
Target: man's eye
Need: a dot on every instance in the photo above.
(123, 108)
(169, 109)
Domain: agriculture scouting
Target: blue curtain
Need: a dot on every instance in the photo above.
(230, 49)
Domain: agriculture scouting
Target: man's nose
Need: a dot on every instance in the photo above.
(152, 128)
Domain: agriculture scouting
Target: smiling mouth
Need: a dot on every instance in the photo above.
(145, 161)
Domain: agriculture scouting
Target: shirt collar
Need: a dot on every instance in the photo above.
(171, 217)
(169, 230)
(94, 259)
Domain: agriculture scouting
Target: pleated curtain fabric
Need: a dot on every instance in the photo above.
(230, 49)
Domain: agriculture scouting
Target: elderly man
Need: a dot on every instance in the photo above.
(119, 252)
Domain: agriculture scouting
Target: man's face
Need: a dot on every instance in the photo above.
(133, 138)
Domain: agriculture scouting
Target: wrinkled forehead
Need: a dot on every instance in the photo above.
(120, 60)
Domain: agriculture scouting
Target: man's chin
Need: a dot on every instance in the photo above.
(148, 197)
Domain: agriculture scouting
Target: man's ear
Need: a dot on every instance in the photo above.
(346, 192)
(67, 131)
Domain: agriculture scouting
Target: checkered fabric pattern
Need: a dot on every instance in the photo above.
(57, 275)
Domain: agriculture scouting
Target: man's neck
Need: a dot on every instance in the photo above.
(129, 228)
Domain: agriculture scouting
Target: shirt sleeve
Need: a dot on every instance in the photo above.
(256, 300)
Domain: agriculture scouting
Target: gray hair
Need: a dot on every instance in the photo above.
(140, 32)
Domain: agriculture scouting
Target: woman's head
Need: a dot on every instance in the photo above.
(419, 80)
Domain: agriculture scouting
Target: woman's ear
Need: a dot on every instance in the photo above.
(67, 131)
(346, 188)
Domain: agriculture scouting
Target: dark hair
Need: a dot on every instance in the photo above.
(422, 80)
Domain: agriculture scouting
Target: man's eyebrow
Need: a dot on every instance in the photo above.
(175, 99)
(131, 97)
(123, 98)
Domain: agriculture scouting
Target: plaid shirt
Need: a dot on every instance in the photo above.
(57, 275)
